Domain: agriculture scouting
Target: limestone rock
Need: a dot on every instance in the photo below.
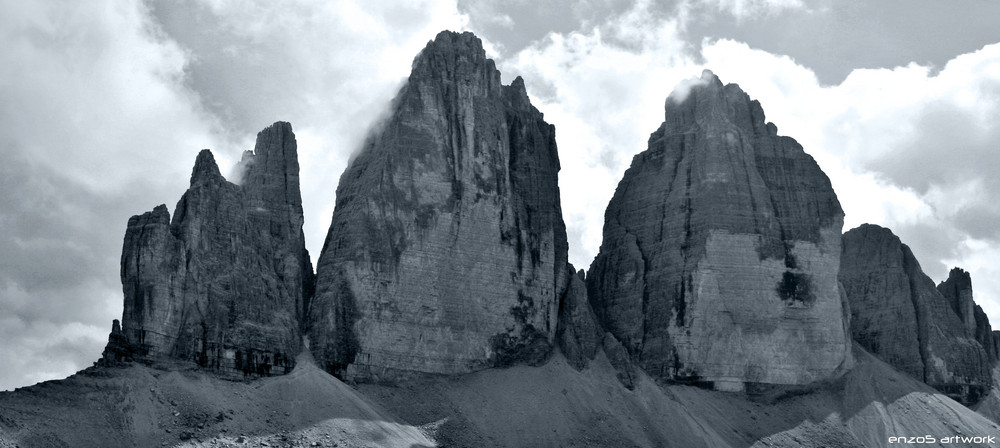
(957, 289)
(578, 334)
(996, 345)
(117, 351)
(900, 316)
(877, 283)
(619, 358)
(447, 251)
(721, 249)
(224, 283)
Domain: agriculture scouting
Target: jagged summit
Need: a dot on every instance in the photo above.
(957, 289)
(205, 169)
(721, 248)
(899, 315)
(224, 284)
(451, 55)
(447, 251)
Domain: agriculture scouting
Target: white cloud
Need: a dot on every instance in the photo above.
(329, 68)
(604, 91)
(103, 107)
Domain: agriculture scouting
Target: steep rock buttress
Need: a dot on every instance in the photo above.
(447, 251)
(900, 316)
(721, 249)
(224, 283)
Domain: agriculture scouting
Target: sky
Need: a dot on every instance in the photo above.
(105, 104)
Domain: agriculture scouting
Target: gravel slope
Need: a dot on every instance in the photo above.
(548, 406)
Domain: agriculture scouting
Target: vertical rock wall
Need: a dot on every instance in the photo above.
(957, 289)
(447, 250)
(900, 316)
(721, 250)
(224, 283)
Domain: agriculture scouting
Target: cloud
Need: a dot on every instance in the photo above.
(604, 91)
(745, 9)
(97, 126)
(104, 106)
(330, 69)
(905, 147)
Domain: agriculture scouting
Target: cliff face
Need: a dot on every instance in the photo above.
(957, 289)
(447, 250)
(721, 250)
(578, 334)
(899, 315)
(224, 283)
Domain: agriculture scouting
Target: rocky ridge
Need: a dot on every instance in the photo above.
(900, 316)
(447, 251)
(224, 283)
(957, 289)
(447, 254)
(721, 248)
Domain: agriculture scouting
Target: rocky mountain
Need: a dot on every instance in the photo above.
(957, 289)
(447, 250)
(224, 283)
(900, 316)
(721, 249)
(722, 266)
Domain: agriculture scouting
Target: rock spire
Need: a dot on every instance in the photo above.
(225, 282)
(898, 315)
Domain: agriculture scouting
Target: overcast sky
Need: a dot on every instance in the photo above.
(104, 105)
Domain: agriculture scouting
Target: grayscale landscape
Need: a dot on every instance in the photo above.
(561, 225)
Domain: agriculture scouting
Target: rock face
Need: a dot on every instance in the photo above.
(898, 315)
(224, 283)
(578, 334)
(721, 249)
(957, 289)
(447, 250)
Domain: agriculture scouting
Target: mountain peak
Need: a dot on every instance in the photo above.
(459, 58)
(205, 167)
